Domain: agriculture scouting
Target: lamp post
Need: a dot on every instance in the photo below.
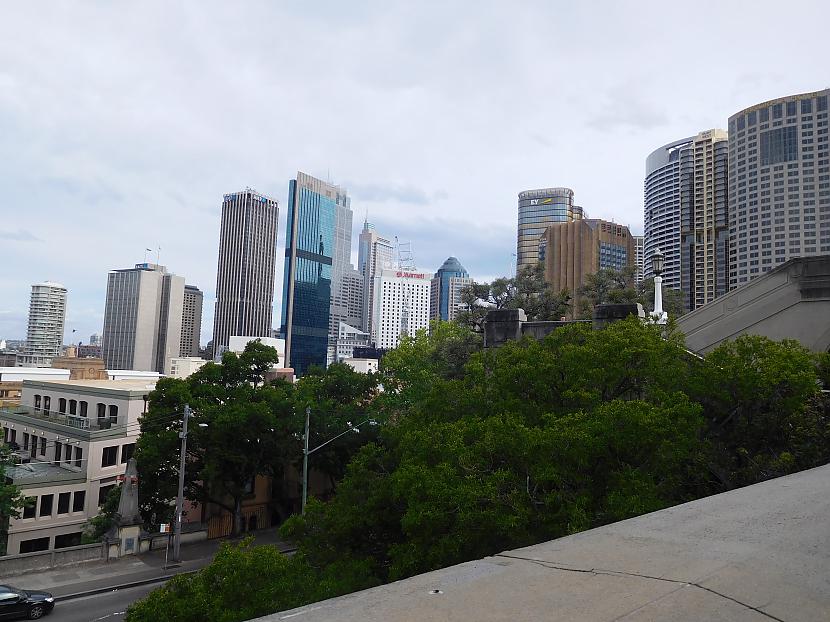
(307, 451)
(658, 316)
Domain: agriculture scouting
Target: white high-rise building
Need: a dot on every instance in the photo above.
(374, 254)
(47, 315)
(401, 305)
(638, 257)
(143, 318)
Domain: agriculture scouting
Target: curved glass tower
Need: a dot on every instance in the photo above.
(447, 284)
(537, 210)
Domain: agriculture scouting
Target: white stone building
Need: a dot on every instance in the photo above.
(401, 305)
(74, 439)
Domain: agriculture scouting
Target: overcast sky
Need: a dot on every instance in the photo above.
(122, 124)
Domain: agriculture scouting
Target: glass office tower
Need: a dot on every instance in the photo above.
(313, 256)
(539, 209)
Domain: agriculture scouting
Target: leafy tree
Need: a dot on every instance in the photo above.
(11, 499)
(527, 290)
(100, 524)
(241, 428)
(607, 286)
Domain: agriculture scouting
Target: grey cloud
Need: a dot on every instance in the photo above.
(624, 108)
(379, 193)
(21, 235)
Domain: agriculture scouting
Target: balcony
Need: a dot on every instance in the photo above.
(83, 427)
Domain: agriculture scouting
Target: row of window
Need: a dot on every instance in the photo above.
(75, 407)
(46, 506)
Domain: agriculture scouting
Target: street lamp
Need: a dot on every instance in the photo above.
(177, 522)
(658, 316)
(307, 451)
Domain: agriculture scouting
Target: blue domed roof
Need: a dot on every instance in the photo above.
(452, 265)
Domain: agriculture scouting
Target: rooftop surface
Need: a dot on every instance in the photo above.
(759, 553)
(122, 385)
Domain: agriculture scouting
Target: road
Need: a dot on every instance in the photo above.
(106, 607)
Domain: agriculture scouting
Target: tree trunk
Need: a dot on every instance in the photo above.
(237, 516)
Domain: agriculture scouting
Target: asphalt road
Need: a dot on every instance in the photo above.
(106, 607)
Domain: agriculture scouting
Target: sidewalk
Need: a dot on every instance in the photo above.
(93, 577)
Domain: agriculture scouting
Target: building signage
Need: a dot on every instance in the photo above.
(410, 275)
(547, 201)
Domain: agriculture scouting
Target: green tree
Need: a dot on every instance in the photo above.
(100, 524)
(11, 499)
(241, 427)
(527, 290)
(607, 286)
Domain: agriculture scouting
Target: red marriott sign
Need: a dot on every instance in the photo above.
(411, 275)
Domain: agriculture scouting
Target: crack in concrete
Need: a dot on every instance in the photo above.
(601, 571)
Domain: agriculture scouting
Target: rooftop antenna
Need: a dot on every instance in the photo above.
(406, 258)
(158, 256)
(147, 250)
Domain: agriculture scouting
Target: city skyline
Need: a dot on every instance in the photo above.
(97, 153)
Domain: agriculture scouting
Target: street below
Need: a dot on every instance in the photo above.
(107, 606)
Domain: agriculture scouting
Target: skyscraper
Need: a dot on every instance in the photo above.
(577, 249)
(686, 215)
(537, 210)
(191, 321)
(142, 318)
(375, 253)
(317, 241)
(446, 287)
(47, 314)
(779, 197)
(245, 273)
(401, 305)
(638, 258)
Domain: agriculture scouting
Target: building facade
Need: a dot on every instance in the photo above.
(401, 305)
(245, 270)
(316, 259)
(75, 438)
(446, 288)
(638, 258)
(142, 318)
(537, 210)
(686, 215)
(191, 321)
(577, 249)
(779, 192)
(349, 338)
(47, 315)
(375, 253)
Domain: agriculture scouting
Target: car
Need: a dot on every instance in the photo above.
(17, 603)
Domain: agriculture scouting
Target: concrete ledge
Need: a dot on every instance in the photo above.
(759, 553)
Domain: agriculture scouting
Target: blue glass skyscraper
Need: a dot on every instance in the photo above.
(447, 284)
(315, 251)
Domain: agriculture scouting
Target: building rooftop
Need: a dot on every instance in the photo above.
(758, 553)
(32, 473)
(118, 385)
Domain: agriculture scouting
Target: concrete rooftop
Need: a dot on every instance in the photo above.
(759, 553)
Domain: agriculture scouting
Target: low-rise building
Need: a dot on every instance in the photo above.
(364, 366)
(72, 439)
(184, 366)
(348, 338)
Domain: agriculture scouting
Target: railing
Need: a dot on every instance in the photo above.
(72, 421)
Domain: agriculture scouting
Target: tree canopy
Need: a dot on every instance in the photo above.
(12, 500)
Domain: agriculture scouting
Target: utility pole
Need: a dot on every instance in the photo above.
(305, 457)
(177, 523)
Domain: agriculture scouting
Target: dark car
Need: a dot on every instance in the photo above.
(17, 603)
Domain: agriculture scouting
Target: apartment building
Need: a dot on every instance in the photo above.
(72, 439)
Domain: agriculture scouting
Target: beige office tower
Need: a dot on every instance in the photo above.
(47, 314)
(375, 253)
(142, 318)
(576, 249)
(191, 321)
(779, 171)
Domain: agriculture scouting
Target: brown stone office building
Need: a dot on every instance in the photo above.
(573, 250)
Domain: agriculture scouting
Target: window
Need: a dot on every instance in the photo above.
(73, 407)
(26, 440)
(79, 454)
(79, 501)
(103, 491)
(102, 410)
(779, 145)
(806, 106)
(791, 109)
(821, 103)
(127, 452)
(62, 405)
(37, 402)
(109, 456)
(63, 502)
(29, 508)
(47, 403)
(46, 502)
(58, 450)
(113, 413)
(84, 407)
(68, 539)
(42, 445)
(34, 545)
